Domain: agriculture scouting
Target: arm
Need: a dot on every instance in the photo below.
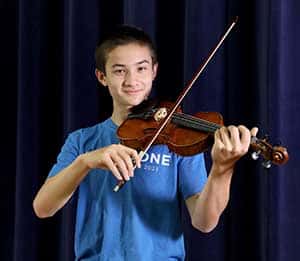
(206, 207)
(57, 190)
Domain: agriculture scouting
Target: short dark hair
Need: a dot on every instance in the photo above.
(122, 35)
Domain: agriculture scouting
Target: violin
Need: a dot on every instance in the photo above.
(186, 134)
(165, 123)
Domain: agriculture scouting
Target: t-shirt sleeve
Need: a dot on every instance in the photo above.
(68, 153)
(192, 175)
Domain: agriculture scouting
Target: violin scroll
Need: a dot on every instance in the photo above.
(271, 154)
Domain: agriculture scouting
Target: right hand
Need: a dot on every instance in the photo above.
(119, 159)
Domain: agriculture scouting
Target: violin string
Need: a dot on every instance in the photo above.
(196, 123)
(200, 124)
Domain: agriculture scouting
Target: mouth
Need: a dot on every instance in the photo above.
(132, 91)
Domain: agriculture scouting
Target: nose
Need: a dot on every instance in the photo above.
(130, 78)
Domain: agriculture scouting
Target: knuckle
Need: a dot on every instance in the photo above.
(225, 150)
(244, 151)
(232, 129)
(107, 154)
(234, 151)
(114, 146)
(135, 154)
(242, 127)
(239, 151)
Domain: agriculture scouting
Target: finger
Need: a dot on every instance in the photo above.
(244, 135)
(135, 158)
(113, 168)
(234, 135)
(254, 131)
(128, 162)
(121, 165)
(218, 140)
(225, 137)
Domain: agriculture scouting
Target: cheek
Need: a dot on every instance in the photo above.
(149, 82)
(112, 90)
(113, 85)
(147, 79)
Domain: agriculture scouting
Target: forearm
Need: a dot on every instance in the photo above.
(57, 190)
(230, 144)
(212, 201)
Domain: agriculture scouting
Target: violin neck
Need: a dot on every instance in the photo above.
(194, 123)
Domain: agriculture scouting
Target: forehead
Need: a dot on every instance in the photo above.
(128, 54)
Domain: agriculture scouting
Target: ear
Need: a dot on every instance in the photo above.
(101, 77)
(154, 70)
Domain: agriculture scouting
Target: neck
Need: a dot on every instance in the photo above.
(119, 115)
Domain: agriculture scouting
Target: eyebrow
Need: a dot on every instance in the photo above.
(138, 63)
(143, 61)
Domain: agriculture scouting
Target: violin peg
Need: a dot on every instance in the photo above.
(255, 155)
(267, 164)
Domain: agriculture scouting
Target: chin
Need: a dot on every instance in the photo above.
(136, 101)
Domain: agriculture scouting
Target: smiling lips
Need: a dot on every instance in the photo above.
(132, 91)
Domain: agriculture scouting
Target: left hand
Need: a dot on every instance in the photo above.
(231, 143)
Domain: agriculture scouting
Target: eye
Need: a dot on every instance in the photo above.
(119, 72)
(142, 68)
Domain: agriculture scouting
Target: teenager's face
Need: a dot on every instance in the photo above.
(129, 75)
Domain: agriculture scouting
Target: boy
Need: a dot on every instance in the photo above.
(142, 221)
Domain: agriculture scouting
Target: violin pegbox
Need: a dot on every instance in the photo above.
(271, 154)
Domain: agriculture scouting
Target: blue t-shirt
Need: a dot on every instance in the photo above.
(141, 222)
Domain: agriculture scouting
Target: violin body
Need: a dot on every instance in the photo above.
(183, 134)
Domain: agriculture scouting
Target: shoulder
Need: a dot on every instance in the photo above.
(95, 136)
(93, 130)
